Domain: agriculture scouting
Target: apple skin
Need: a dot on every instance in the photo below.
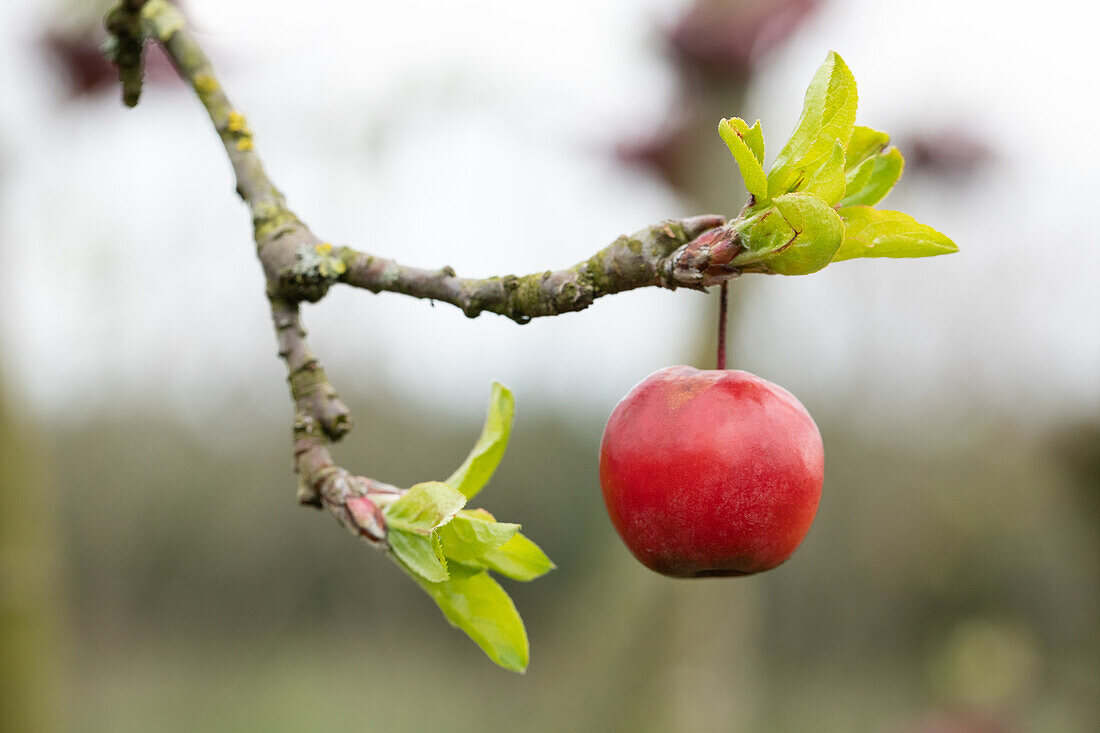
(710, 473)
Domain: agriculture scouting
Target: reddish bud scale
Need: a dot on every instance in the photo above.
(711, 473)
(367, 517)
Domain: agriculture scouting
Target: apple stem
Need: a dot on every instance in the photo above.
(723, 306)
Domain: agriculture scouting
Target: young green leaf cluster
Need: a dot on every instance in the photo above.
(815, 205)
(449, 550)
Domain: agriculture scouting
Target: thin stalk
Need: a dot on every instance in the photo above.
(723, 307)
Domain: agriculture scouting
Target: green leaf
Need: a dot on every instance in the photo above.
(874, 178)
(424, 507)
(818, 234)
(483, 460)
(519, 559)
(747, 146)
(828, 181)
(469, 536)
(420, 554)
(856, 178)
(475, 603)
(872, 233)
(754, 138)
(800, 234)
(865, 142)
(859, 163)
(437, 548)
(828, 117)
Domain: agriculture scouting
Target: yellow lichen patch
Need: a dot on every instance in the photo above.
(204, 83)
(270, 221)
(323, 248)
(236, 122)
(244, 144)
(164, 18)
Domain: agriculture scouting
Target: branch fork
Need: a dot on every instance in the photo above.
(301, 267)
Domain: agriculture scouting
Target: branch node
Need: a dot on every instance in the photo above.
(703, 261)
(335, 416)
(315, 269)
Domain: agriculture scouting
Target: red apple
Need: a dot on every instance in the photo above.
(710, 473)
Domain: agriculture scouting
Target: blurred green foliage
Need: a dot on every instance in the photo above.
(30, 665)
(950, 573)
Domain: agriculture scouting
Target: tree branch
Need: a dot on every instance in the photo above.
(671, 254)
(299, 266)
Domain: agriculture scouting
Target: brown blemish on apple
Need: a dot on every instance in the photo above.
(685, 392)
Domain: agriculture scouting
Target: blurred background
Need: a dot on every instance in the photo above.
(156, 573)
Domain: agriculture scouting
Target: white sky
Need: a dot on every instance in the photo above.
(478, 134)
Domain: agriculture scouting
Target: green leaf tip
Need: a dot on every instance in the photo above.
(475, 472)
(828, 117)
(519, 559)
(747, 145)
(474, 602)
(870, 232)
